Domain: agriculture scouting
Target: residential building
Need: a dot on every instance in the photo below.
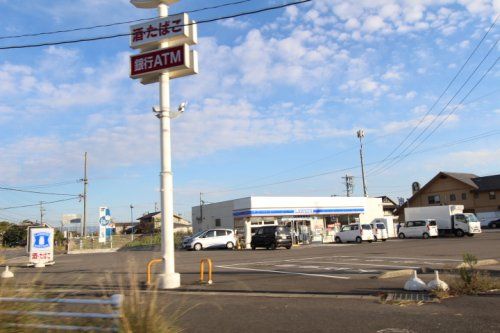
(479, 195)
(151, 222)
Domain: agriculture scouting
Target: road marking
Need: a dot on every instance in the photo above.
(361, 264)
(402, 258)
(21, 257)
(283, 272)
(278, 261)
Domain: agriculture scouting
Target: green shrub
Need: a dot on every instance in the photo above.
(15, 235)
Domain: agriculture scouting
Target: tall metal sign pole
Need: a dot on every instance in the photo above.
(164, 44)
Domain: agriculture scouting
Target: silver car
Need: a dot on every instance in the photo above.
(209, 239)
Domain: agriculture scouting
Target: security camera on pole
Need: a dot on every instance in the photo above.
(165, 55)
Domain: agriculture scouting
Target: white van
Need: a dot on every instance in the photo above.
(418, 228)
(354, 233)
(379, 231)
(213, 238)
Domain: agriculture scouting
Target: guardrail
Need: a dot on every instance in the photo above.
(115, 301)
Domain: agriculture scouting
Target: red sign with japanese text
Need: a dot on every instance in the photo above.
(177, 29)
(157, 61)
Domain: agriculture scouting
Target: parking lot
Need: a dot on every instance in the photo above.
(341, 267)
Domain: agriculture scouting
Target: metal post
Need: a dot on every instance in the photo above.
(169, 279)
(361, 135)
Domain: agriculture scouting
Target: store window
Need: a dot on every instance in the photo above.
(492, 195)
(434, 199)
(453, 197)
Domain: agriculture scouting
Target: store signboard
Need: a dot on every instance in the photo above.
(104, 221)
(177, 60)
(176, 29)
(151, 3)
(299, 211)
(40, 245)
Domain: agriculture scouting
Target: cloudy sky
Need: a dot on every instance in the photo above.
(273, 111)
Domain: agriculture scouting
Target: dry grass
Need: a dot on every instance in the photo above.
(142, 311)
(479, 282)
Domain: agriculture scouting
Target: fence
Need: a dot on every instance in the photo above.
(92, 242)
(31, 313)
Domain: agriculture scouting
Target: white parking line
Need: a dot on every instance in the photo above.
(283, 272)
(361, 264)
(404, 258)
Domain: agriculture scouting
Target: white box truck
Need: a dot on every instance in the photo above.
(450, 219)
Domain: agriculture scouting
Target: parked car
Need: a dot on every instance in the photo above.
(379, 231)
(272, 237)
(494, 224)
(212, 238)
(355, 233)
(419, 228)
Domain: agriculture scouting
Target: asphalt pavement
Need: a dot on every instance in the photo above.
(318, 288)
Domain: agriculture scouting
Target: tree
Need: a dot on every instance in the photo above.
(15, 235)
(4, 225)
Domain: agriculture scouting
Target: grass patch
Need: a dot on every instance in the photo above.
(469, 280)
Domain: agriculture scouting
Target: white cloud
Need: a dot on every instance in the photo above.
(396, 126)
(234, 23)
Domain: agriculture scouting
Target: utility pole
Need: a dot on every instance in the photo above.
(85, 182)
(42, 210)
(201, 208)
(156, 207)
(349, 185)
(361, 135)
(132, 220)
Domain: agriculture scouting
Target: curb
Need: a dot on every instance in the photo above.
(398, 273)
(93, 251)
(484, 262)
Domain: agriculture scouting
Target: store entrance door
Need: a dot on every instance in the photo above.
(301, 231)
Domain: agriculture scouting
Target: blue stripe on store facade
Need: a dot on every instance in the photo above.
(257, 212)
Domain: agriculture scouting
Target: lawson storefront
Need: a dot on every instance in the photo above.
(311, 219)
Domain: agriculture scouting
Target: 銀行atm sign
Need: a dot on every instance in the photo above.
(177, 60)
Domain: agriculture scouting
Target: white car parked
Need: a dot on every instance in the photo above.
(379, 231)
(354, 233)
(213, 238)
(419, 228)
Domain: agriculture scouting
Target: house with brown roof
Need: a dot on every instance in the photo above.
(479, 195)
(151, 222)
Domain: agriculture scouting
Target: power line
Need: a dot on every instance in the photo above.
(440, 96)
(36, 192)
(476, 137)
(116, 23)
(38, 204)
(442, 121)
(92, 39)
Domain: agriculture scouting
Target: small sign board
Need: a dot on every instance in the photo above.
(177, 60)
(40, 245)
(176, 29)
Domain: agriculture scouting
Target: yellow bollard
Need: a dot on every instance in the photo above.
(150, 265)
(202, 270)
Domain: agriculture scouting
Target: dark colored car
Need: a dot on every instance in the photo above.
(272, 237)
(494, 224)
